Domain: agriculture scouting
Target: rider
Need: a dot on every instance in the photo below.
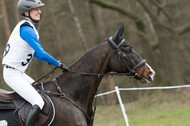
(22, 45)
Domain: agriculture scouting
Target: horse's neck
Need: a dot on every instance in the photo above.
(94, 60)
(83, 87)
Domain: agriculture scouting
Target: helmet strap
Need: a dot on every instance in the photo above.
(33, 20)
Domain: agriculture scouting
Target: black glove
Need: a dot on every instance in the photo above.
(64, 67)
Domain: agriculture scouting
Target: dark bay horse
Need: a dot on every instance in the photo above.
(81, 83)
(73, 91)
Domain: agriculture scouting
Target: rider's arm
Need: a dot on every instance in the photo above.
(28, 34)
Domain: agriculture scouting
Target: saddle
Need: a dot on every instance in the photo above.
(14, 109)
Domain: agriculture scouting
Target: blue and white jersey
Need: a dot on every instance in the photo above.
(22, 45)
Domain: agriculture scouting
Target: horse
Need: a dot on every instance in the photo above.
(73, 92)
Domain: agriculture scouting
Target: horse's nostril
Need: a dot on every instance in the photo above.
(150, 73)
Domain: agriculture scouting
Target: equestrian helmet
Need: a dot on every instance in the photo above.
(27, 5)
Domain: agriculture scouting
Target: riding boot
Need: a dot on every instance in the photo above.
(33, 115)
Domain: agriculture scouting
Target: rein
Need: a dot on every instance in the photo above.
(95, 74)
(45, 76)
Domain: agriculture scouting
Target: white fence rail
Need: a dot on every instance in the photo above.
(117, 90)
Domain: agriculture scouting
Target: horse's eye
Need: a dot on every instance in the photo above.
(124, 46)
(128, 50)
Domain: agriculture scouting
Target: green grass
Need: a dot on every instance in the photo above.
(162, 109)
(169, 117)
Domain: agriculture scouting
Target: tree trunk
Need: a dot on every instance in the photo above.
(17, 16)
(5, 18)
(99, 21)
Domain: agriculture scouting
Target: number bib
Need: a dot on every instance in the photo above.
(18, 53)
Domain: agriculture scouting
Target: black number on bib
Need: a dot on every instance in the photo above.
(6, 50)
(27, 60)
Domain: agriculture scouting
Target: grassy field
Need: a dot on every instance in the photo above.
(163, 108)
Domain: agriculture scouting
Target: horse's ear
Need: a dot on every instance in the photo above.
(117, 38)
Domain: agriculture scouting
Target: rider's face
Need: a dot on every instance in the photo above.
(34, 13)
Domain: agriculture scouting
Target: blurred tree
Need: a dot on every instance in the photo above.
(99, 21)
(84, 43)
(157, 18)
(5, 19)
(17, 16)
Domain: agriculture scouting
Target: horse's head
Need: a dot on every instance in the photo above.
(127, 60)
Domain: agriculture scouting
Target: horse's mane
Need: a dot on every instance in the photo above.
(87, 52)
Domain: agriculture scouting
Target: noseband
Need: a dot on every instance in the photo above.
(132, 72)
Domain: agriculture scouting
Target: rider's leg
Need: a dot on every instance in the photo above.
(33, 115)
(21, 83)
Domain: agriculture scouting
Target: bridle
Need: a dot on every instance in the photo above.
(122, 57)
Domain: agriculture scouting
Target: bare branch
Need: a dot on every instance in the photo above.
(155, 40)
(78, 25)
(121, 10)
(156, 19)
(161, 7)
(184, 29)
(115, 7)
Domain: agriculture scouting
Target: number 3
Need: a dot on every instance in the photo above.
(27, 60)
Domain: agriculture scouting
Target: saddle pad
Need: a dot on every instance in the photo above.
(14, 112)
(7, 119)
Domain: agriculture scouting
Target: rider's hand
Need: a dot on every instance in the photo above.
(63, 67)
